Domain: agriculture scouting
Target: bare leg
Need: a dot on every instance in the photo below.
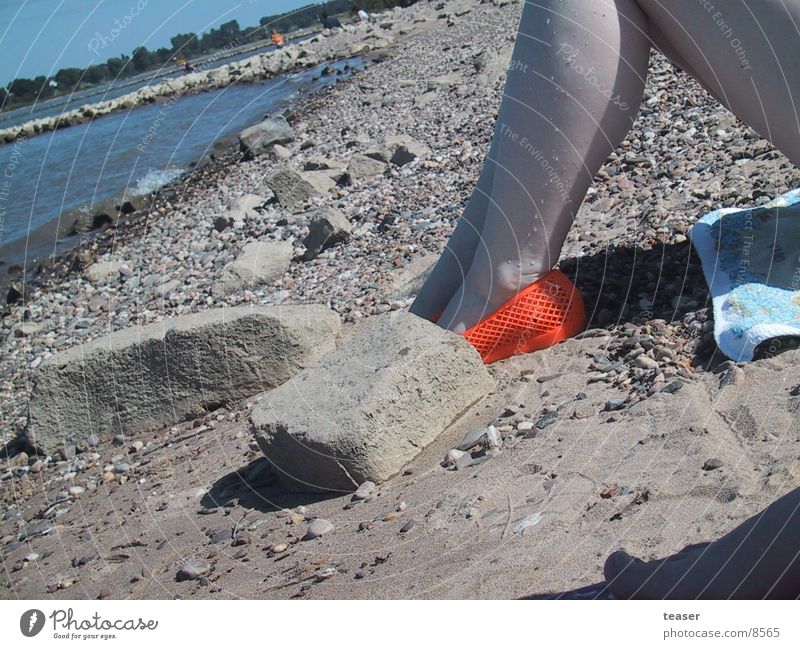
(745, 54)
(571, 97)
(759, 559)
(452, 266)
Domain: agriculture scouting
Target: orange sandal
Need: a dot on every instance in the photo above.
(543, 314)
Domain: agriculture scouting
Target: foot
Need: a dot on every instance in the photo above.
(759, 559)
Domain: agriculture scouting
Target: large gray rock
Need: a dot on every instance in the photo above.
(367, 409)
(260, 263)
(292, 187)
(143, 378)
(326, 228)
(408, 152)
(363, 166)
(258, 139)
(102, 270)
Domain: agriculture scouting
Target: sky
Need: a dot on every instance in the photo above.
(42, 36)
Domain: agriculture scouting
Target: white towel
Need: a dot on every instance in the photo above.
(751, 261)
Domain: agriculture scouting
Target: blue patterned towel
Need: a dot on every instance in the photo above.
(751, 260)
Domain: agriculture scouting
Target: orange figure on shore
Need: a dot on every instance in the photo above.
(277, 39)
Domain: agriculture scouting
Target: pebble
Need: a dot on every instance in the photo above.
(193, 570)
(547, 419)
(364, 491)
(614, 404)
(318, 527)
(713, 463)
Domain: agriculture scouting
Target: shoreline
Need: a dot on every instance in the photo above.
(326, 46)
(65, 232)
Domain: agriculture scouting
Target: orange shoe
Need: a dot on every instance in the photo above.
(543, 314)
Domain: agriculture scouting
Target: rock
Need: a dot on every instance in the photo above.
(407, 526)
(292, 187)
(364, 491)
(326, 228)
(472, 438)
(279, 153)
(322, 164)
(713, 463)
(424, 99)
(318, 527)
(28, 329)
(615, 404)
(193, 570)
(245, 206)
(259, 264)
(367, 409)
(362, 166)
(258, 139)
(547, 419)
(408, 152)
(214, 357)
(100, 271)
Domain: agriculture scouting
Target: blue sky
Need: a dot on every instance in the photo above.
(42, 36)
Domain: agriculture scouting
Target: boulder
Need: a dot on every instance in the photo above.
(259, 263)
(365, 410)
(408, 152)
(327, 227)
(293, 187)
(143, 378)
(320, 163)
(363, 166)
(258, 139)
(102, 270)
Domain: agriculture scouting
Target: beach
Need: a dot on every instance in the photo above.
(637, 434)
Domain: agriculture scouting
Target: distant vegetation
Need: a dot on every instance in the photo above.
(184, 46)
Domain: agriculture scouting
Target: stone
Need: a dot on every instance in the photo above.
(293, 187)
(363, 166)
(193, 570)
(614, 404)
(318, 527)
(367, 409)
(102, 270)
(25, 329)
(409, 152)
(713, 463)
(327, 227)
(472, 438)
(259, 263)
(143, 378)
(258, 139)
(364, 491)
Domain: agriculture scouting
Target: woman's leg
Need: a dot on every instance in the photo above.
(744, 53)
(456, 258)
(572, 94)
(760, 558)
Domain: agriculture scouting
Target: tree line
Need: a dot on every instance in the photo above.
(23, 91)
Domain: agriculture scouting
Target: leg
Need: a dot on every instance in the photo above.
(572, 94)
(744, 54)
(456, 258)
(758, 559)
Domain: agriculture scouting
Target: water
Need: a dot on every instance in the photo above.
(122, 86)
(133, 151)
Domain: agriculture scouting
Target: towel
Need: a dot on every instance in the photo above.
(751, 261)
